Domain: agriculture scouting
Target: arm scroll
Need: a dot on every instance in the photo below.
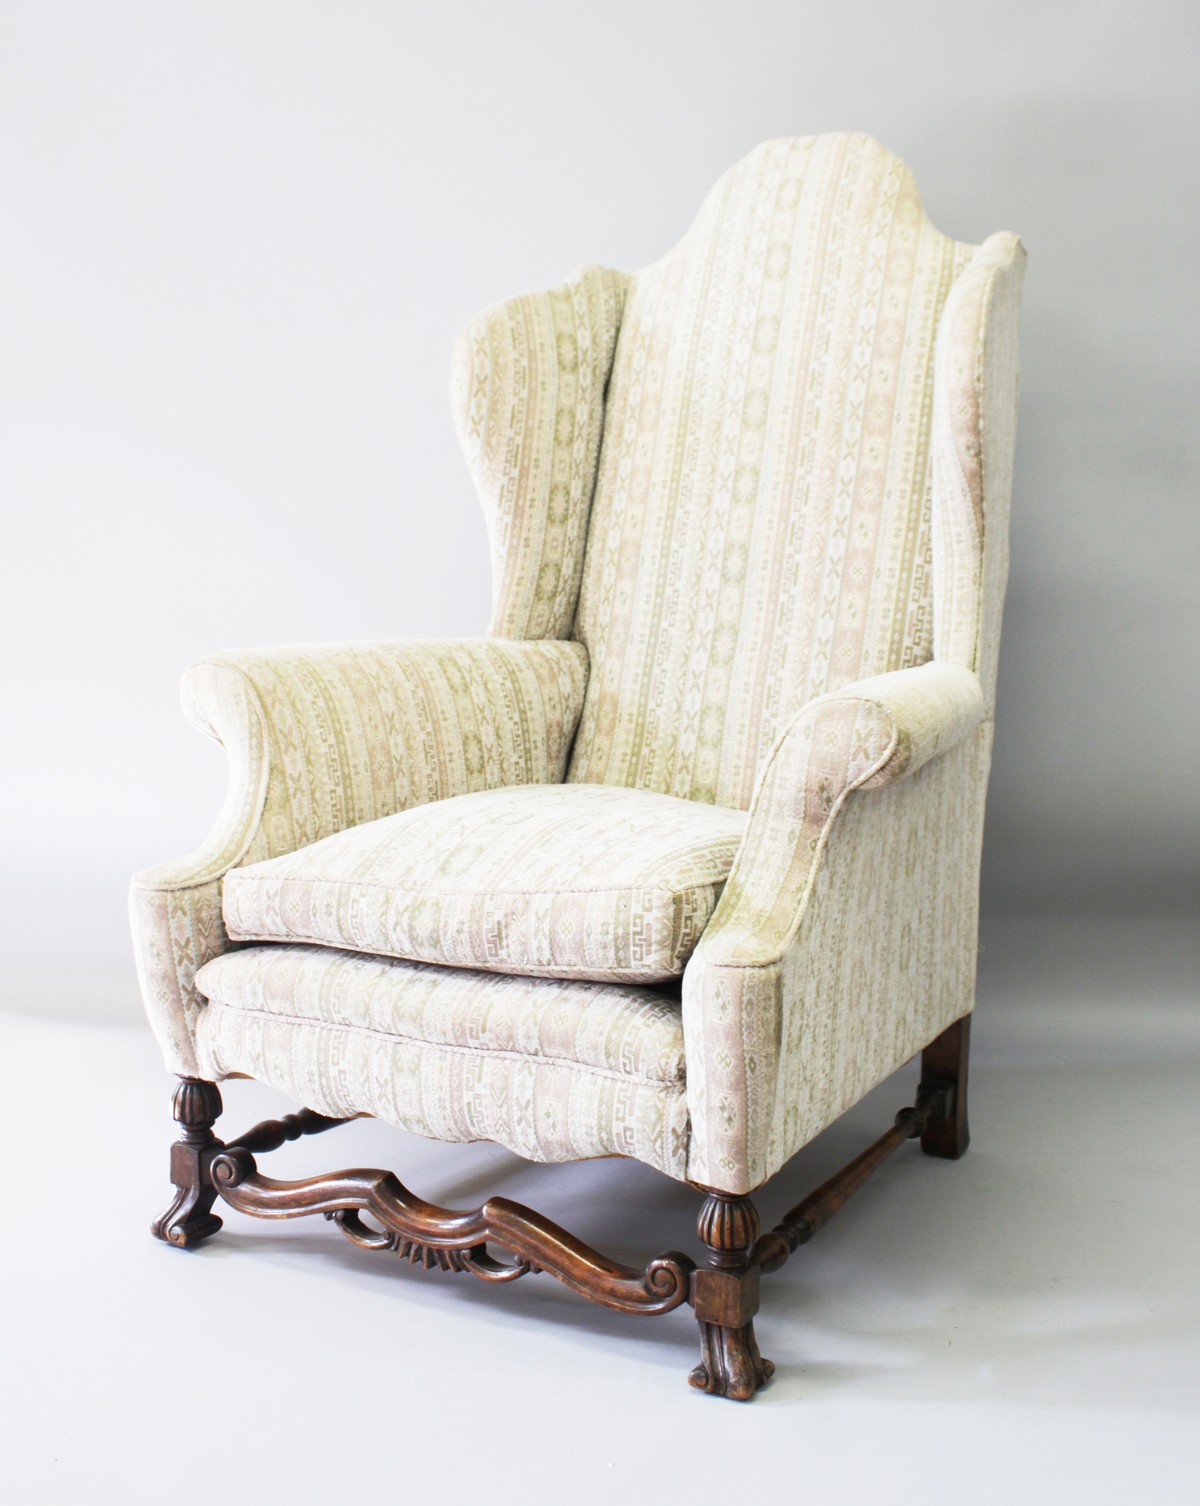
(793, 975)
(323, 738)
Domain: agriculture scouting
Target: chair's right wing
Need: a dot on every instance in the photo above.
(528, 388)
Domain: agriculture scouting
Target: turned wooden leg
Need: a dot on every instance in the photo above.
(190, 1218)
(725, 1297)
(944, 1065)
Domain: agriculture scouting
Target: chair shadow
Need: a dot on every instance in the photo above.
(912, 1231)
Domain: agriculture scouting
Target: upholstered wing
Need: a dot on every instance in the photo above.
(528, 382)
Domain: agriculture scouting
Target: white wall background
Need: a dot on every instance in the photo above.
(237, 240)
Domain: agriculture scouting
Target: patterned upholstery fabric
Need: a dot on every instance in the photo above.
(559, 881)
(974, 437)
(787, 1025)
(527, 384)
(863, 737)
(555, 1071)
(761, 528)
(322, 738)
(764, 483)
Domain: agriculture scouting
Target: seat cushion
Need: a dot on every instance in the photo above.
(556, 881)
(556, 1071)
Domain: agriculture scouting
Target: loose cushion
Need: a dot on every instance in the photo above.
(579, 881)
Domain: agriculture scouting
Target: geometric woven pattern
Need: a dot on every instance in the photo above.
(761, 531)
(527, 383)
(323, 737)
(544, 880)
(748, 511)
(555, 1071)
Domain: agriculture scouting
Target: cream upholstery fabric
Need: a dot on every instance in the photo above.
(548, 881)
(555, 1071)
(863, 737)
(848, 953)
(974, 432)
(527, 384)
(320, 739)
(761, 527)
(765, 484)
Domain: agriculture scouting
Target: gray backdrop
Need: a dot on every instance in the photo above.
(238, 241)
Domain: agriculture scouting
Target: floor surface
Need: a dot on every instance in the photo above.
(1024, 1324)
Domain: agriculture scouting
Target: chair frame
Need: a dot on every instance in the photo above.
(723, 1292)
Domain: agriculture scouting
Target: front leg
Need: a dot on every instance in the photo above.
(190, 1218)
(725, 1298)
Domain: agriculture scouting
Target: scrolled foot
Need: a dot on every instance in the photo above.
(730, 1364)
(725, 1298)
(190, 1218)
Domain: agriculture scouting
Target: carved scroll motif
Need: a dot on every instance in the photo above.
(451, 1240)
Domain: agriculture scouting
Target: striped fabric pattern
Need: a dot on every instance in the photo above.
(839, 950)
(863, 737)
(879, 959)
(761, 527)
(527, 383)
(974, 440)
(748, 510)
(566, 881)
(554, 1071)
(321, 738)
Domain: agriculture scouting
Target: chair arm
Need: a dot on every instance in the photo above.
(845, 935)
(527, 385)
(865, 736)
(326, 737)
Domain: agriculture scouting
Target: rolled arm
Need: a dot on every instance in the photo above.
(792, 949)
(865, 736)
(323, 738)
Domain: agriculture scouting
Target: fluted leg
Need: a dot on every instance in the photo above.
(190, 1218)
(944, 1066)
(725, 1297)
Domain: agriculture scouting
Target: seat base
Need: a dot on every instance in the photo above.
(723, 1293)
(552, 1070)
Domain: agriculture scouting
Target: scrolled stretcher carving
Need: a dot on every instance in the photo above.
(450, 1239)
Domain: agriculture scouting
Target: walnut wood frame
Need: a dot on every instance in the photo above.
(723, 1292)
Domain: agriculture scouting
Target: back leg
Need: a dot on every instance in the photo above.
(944, 1065)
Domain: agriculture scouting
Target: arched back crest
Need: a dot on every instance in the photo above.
(760, 529)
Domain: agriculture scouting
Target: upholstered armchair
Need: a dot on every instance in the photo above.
(682, 859)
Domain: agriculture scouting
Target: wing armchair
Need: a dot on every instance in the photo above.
(682, 859)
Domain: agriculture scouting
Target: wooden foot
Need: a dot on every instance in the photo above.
(944, 1067)
(190, 1218)
(725, 1298)
(730, 1364)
